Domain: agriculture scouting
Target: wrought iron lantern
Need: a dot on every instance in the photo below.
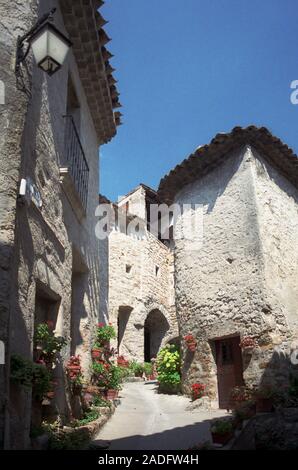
(48, 44)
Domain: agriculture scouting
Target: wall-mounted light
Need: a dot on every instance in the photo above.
(48, 44)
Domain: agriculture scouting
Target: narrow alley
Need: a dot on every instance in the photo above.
(146, 420)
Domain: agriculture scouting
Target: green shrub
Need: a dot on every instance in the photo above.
(168, 367)
(21, 371)
(104, 333)
(114, 378)
(47, 341)
(28, 374)
(89, 416)
(148, 368)
(137, 368)
(99, 401)
(222, 426)
(124, 372)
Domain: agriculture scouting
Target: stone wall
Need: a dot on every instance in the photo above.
(15, 19)
(56, 252)
(140, 282)
(221, 286)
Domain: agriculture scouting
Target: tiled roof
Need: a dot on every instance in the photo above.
(85, 24)
(207, 157)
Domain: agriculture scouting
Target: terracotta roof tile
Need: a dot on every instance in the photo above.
(207, 157)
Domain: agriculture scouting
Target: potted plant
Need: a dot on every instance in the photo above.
(248, 343)
(137, 369)
(190, 342)
(168, 369)
(148, 370)
(89, 392)
(74, 374)
(113, 384)
(96, 352)
(222, 431)
(104, 333)
(264, 399)
(197, 391)
(244, 411)
(46, 344)
(121, 361)
(239, 395)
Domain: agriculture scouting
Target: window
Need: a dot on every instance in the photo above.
(156, 271)
(74, 164)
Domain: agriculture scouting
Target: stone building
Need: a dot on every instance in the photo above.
(141, 280)
(242, 280)
(49, 254)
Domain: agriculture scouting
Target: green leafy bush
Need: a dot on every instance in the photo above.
(114, 378)
(89, 416)
(222, 426)
(99, 401)
(104, 333)
(21, 371)
(168, 368)
(148, 368)
(28, 374)
(137, 368)
(45, 339)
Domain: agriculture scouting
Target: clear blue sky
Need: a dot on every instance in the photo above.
(188, 69)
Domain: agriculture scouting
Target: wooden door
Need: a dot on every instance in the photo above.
(229, 368)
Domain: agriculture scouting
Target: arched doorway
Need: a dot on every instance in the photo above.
(123, 319)
(156, 327)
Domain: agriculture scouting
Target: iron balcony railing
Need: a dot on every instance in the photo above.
(76, 160)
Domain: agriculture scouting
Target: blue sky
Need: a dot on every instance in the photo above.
(188, 69)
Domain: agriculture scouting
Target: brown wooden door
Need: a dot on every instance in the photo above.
(229, 368)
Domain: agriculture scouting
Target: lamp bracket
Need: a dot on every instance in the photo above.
(21, 54)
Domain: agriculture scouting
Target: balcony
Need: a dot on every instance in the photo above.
(75, 171)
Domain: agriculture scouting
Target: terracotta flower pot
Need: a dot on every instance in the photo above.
(96, 353)
(264, 405)
(192, 346)
(74, 368)
(221, 438)
(112, 394)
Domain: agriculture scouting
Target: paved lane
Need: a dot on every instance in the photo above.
(146, 420)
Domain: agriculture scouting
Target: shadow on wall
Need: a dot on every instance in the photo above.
(156, 327)
(123, 319)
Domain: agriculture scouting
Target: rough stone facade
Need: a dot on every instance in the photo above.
(141, 285)
(49, 256)
(241, 279)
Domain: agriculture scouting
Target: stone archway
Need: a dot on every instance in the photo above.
(155, 329)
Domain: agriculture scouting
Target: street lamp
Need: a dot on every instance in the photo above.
(48, 44)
